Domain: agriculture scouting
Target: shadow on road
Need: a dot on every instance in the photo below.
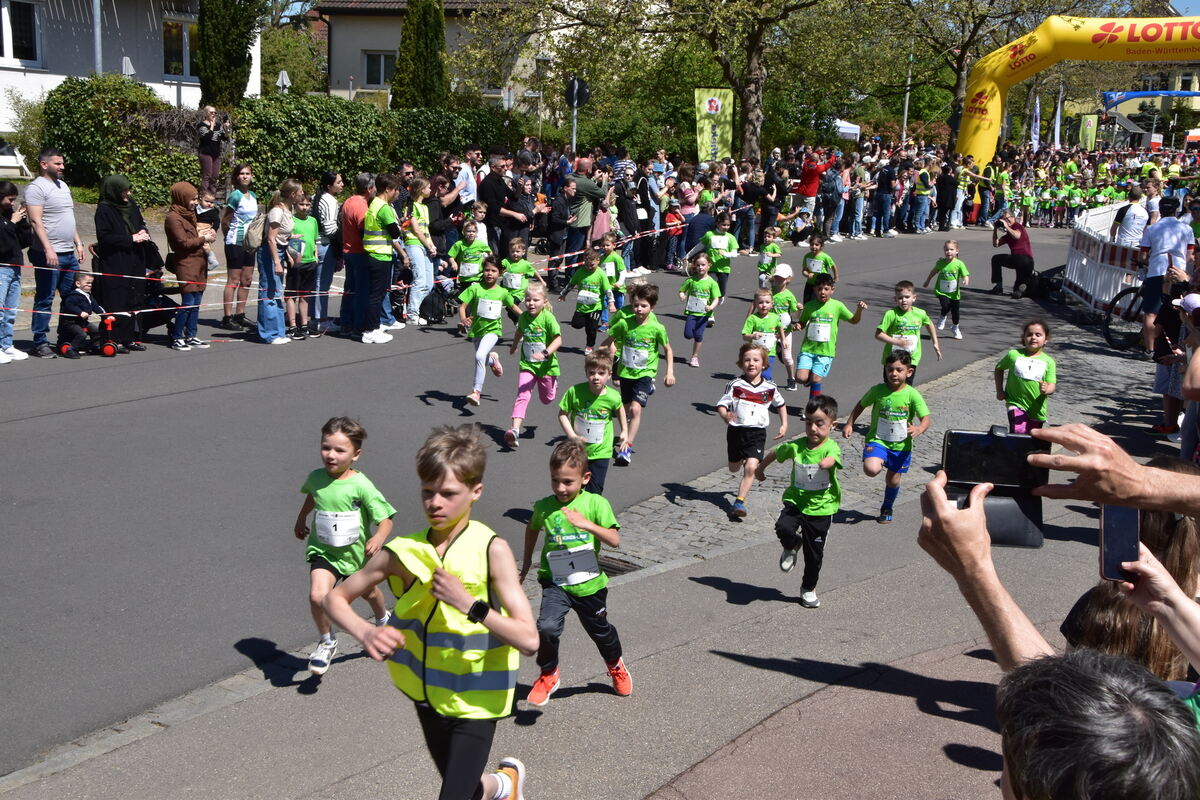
(743, 594)
(456, 401)
(281, 668)
(674, 492)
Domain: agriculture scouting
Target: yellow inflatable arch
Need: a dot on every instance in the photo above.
(1060, 39)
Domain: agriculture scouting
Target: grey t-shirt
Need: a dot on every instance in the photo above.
(58, 212)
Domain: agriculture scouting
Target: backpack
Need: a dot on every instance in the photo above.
(253, 237)
(828, 190)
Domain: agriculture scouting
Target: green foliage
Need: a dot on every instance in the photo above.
(227, 30)
(420, 77)
(29, 125)
(292, 48)
(100, 123)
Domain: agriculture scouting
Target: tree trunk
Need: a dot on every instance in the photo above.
(958, 103)
(751, 92)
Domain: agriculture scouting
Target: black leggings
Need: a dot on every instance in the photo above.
(797, 531)
(949, 307)
(460, 748)
(590, 322)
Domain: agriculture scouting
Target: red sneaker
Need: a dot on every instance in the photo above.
(1165, 430)
(622, 682)
(546, 685)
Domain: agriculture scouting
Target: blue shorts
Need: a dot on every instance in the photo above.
(895, 460)
(814, 363)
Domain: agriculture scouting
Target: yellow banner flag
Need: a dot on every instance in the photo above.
(714, 124)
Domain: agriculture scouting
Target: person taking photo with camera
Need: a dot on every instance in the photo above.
(1020, 254)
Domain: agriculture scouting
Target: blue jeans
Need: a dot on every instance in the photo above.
(271, 322)
(386, 315)
(45, 281)
(1001, 205)
(680, 250)
(188, 315)
(883, 213)
(744, 223)
(422, 279)
(836, 225)
(10, 299)
(354, 292)
(921, 201)
(856, 220)
(576, 238)
(327, 264)
(985, 206)
(956, 215)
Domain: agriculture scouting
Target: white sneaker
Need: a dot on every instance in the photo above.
(787, 560)
(393, 326)
(835, 238)
(941, 323)
(14, 354)
(379, 622)
(281, 340)
(957, 333)
(890, 235)
(422, 322)
(809, 600)
(5, 357)
(377, 336)
(322, 656)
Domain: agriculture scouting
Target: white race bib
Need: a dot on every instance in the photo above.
(634, 357)
(530, 349)
(1030, 369)
(891, 430)
(488, 309)
(511, 280)
(587, 298)
(764, 339)
(576, 565)
(468, 269)
(696, 304)
(592, 430)
(910, 344)
(785, 320)
(810, 478)
(750, 415)
(814, 265)
(947, 285)
(610, 269)
(338, 528)
(819, 331)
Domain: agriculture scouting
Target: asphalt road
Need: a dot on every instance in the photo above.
(150, 499)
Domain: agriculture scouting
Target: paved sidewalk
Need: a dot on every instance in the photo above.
(738, 690)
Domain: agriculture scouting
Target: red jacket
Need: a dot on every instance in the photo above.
(810, 176)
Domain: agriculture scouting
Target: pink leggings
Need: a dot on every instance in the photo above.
(1019, 421)
(547, 389)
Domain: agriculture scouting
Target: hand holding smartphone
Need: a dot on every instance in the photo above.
(1120, 530)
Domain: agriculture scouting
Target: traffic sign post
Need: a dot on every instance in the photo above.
(577, 95)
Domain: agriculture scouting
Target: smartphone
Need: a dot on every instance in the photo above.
(1120, 529)
(996, 457)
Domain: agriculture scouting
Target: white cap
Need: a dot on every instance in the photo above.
(1189, 302)
(785, 271)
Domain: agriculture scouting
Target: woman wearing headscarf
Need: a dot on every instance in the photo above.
(191, 264)
(121, 284)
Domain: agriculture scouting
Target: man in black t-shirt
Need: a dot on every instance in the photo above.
(885, 183)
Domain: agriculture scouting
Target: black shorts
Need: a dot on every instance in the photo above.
(636, 390)
(742, 443)
(299, 281)
(238, 257)
(1152, 295)
(319, 562)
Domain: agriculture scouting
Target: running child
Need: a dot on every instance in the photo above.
(539, 337)
(900, 329)
(952, 275)
(479, 314)
(789, 319)
(745, 407)
(586, 413)
(515, 274)
(721, 246)
(344, 504)
(300, 280)
(595, 294)
(813, 496)
(1032, 378)
(898, 414)
(768, 256)
(614, 269)
(820, 319)
(572, 523)
(700, 295)
(457, 583)
(763, 327)
(817, 262)
(466, 256)
(639, 339)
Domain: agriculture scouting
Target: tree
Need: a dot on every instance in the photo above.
(227, 31)
(292, 48)
(420, 77)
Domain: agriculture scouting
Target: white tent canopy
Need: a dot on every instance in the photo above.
(847, 130)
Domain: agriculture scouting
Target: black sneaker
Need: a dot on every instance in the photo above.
(792, 385)
(295, 334)
(138, 346)
(997, 289)
(44, 350)
(195, 343)
(68, 352)
(227, 324)
(246, 324)
(314, 330)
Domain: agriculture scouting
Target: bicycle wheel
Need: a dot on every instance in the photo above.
(1122, 329)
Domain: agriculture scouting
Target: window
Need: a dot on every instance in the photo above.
(1185, 83)
(380, 67)
(180, 38)
(20, 33)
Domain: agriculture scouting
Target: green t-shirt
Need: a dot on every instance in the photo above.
(721, 247)
(591, 417)
(558, 534)
(536, 335)
(333, 522)
(306, 231)
(813, 491)
(515, 277)
(819, 264)
(469, 258)
(764, 330)
(820, 321)
(950, 274)
(493, 300)
(613, 266)
(788, 309)
(909, 325)
(767, 258)
(420, 216)
(891, 414)
(705, 290)
(594, 288)
(1025, 372)
(638, 346)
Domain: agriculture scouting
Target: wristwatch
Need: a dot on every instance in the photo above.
(478, 610)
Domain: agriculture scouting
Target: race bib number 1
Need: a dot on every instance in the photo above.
(819, 331)
(338, 528)
(1030, 369)
(573, 566)
(892, 430)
